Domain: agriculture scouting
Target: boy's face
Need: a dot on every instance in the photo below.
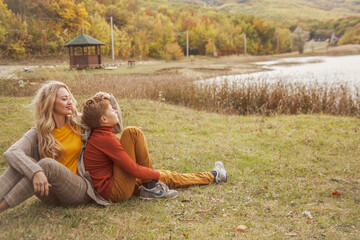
(111, 116)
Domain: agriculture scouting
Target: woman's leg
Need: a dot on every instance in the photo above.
(8, 180)
(3, 206)
(66, 188)
(12, 181)
(22, 190)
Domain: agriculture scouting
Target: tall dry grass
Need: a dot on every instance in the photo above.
(246, 97)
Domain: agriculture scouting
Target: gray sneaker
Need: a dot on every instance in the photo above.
(221, 174)
(159, 191)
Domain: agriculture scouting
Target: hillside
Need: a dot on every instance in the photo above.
(285, 9)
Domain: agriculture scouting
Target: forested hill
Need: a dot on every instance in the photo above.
(285, 9)
(153, 28)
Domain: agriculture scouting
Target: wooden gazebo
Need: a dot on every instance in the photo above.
(84, 52)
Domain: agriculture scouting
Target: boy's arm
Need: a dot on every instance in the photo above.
(112, 148)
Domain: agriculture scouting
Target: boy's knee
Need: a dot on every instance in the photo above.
(132, 131)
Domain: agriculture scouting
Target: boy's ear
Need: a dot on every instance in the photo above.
(103, 120)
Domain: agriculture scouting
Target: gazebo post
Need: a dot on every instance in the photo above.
(99, 55)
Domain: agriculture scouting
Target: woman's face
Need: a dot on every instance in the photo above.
(63, 103)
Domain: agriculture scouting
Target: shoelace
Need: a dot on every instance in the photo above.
(163, 186)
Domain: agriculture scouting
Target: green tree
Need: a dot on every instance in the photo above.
(298, 39)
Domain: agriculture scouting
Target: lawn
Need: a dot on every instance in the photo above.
(279, 167)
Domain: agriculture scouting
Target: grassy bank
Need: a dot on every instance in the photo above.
(279, 167)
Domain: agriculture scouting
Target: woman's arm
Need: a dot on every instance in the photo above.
(24, 154)
(118, 128)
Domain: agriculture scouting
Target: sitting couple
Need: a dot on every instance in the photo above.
(72, 160)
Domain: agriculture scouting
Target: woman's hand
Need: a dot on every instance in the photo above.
(102, 95)
(41, 184)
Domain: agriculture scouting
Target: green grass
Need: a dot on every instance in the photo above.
(301, 159)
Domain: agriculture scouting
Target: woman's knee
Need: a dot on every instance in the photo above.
(49, 166)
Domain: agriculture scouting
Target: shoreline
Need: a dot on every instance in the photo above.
(195, 67)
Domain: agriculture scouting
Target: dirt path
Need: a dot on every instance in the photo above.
(7, 72)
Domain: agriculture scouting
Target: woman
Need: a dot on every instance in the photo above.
(46, 161)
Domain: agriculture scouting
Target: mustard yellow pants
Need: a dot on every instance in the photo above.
(125, 185)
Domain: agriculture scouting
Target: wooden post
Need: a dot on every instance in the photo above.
(112, 38)
(245, 44)
(187, 43)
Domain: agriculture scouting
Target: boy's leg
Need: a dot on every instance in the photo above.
(134, 143)
(123, 185)
(176, 180)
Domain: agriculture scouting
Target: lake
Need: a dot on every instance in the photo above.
(331, 71)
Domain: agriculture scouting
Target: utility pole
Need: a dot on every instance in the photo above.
(245, 44)
(112, 38)
(187, 43)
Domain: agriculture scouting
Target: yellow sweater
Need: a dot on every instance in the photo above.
(72, 143)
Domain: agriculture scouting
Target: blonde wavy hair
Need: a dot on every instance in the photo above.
(44, 102)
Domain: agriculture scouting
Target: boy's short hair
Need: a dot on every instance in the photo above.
(93, 109)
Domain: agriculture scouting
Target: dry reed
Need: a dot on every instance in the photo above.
(245, 97)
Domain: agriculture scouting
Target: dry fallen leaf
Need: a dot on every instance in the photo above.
(240, 228)
(218, 200)
(187, 219)
(336, 194)
(202, 210)
(308, 214)
(265, 187)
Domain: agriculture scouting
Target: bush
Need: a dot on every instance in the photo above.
(173, 52)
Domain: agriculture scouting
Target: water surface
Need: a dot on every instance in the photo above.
(331, 71)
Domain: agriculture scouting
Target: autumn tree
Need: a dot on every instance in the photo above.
(210, 48)
(173, 51)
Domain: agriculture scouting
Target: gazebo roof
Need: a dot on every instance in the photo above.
(83, 40)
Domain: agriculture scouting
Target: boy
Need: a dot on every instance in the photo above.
(116, 167)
